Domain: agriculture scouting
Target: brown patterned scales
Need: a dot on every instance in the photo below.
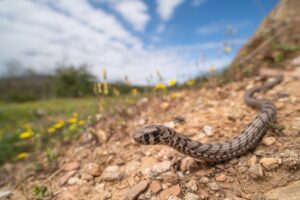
(214, 152)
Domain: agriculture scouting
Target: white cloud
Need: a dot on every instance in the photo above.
(166, 8)
(198, 2)
(135, 12)
(41, 34)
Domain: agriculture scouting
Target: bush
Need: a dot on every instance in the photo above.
(73, 82)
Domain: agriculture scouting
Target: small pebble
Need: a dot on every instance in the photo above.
(221, 178)
(191, 196)
(213, 186)
(204, 180)
(136, 190)
(268, 141)
(256, 171)
(270, 163)
(192, 185)
(208, 130)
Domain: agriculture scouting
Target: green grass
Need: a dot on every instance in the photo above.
(39, 116)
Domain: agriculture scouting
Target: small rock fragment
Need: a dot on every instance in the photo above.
(143, 101)
(162, 167)
(213, 186)
(192, 185)
(132, 166)
(242, 169)
(135, 191)
(291, 160)
(208, 130)
(86, 176)
(296, 61)
(111, 173)
(204, 180)
(170, 124)
(92, 168)
(4, 194)
(74, 180)
(252, 160)
(221, 178)
(155, 187)
(188, 164)
(164, 106)
(62, 180)
(71, 166)
(256, 171)
(101, 136)
(172, 191)
(191, 196)
(268, 141)
(296, 123)
(179, 119)
(270, 163)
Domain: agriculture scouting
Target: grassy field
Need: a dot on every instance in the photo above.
(26, 126)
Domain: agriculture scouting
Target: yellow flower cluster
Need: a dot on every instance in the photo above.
(174, 95)
(51, 130)
(160, 86)
(22, 155)
(172, 82)
(26, 134)
(134, 92)
(81, 122)
(73, 119)
(59, 124)
(190, 82)
(227, 49)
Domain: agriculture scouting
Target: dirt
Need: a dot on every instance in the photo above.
(117, 168)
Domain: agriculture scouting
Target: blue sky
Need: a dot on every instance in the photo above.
(179, 38)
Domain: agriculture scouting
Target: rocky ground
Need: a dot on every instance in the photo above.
(105, 163)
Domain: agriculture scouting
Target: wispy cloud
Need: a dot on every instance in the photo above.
(166, 8)
(135, 12)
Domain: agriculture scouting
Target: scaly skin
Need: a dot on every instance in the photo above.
(215, 152)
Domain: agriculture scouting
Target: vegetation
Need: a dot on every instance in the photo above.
(28, 126)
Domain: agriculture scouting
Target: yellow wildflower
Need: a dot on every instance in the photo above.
(227, 49)
(81, 122)
(72, 120)
(22, 155)
(174, 95)
(26, 134)
(134, 92)
(59, 124)
(191, 82)
(172, 82)
(212, 69)
(51, 130)
(160, 86)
